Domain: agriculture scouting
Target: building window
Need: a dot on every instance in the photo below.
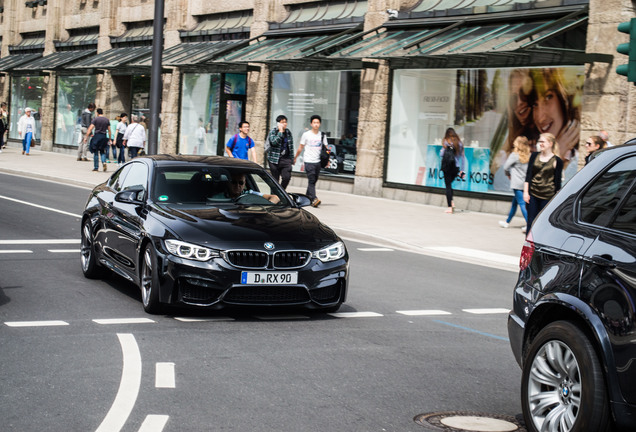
(335, 96)
(488, 108)
(26, 91)
(74, 93)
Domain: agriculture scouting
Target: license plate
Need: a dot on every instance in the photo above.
(269, 278)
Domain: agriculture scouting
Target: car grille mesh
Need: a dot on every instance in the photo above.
(290, 259)
(266, 295)
(247, 259)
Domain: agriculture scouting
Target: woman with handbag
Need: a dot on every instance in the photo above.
(314, 140)
(135, 136)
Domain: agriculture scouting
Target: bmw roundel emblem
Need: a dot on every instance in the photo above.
(269, 246)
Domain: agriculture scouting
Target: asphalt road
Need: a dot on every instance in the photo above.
(418, 335)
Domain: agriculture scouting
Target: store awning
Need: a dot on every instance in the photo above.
(135, 32)
(305, 52)
(11, 61)
(331, 16)
(115, 58)
(217, 24)
(53, 61)
(469, 43)
(190, 54)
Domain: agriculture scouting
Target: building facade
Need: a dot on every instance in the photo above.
(388, 78)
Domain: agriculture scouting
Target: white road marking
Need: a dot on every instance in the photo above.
(64, 250)
(123, 321)
(186, 319)
(128, 386)
(487, 311)
(379, 249)
(428, 312)
(478, 254)
(42, 241)
(39, 206)
(154, 423)
(35, 323)
(164, 375)
(16, 251)
(280, 317)
(355, 314)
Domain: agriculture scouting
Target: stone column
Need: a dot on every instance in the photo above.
(372, 122)
(256, 110)
(47, 112)
(170, 113)
(609, 100)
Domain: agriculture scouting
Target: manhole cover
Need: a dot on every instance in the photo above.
(456, 421)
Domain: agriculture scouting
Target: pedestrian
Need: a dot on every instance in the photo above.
(452, 166)
(26, 130)
(4, 124)
(516, 167)
(280, 151)
(111, 148)
(135, 136)
(241, 146)
(311, 142)
(593, 144)
(543, 178)
(200, 135)
(605, 136)
(119, 137)
(86, 119)
(101, 139)
(69, 124)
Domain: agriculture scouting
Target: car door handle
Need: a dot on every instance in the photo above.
(603, 261)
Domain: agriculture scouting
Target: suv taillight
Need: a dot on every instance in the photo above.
(526, 252)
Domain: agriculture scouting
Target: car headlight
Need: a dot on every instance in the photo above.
(330, 253)
(190, 251)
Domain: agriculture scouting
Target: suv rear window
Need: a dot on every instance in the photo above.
(601, 199)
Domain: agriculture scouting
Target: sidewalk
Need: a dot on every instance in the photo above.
(464, 236)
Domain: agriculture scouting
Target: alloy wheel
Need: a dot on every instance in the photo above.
(554, 388)
(87, 247)
(146, 278)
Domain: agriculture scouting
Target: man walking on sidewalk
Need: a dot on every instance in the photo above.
(312, 142)
(85, 122)
(241, 146)
(99, 142)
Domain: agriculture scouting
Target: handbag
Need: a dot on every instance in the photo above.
(324, 152)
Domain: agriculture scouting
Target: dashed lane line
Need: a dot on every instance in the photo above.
(40, 206)
(16, 251)
(487, 311)
(111, 321)
(154, 423)
(377, 249)
(355, 314)
(431, 312)
(40, 241)
(36, 323)
(64, 250)
(164, 375)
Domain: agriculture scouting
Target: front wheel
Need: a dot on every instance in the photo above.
(563, 388)
(150, 281)
(90, 266)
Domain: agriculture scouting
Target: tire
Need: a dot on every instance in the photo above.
(149, 281)
(88, 260)
(563, 387)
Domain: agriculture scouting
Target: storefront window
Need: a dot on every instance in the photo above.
(26, 91)
(74, 93)
(488, 108)
(202, 114)
(333, 95)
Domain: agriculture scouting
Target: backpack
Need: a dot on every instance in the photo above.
(249, 140)
(324, 152)
(449, 165)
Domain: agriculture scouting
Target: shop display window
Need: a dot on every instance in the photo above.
(26, 91)
(488, 108)
(74, 93)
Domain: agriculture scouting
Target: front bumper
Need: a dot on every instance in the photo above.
(216, 284)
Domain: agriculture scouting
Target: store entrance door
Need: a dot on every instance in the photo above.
(229, 119)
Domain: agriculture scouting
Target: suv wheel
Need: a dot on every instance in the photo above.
(563, 387)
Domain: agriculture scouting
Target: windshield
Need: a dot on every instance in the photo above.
(216, 186)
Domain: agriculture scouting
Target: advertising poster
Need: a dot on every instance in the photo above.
(476, 161)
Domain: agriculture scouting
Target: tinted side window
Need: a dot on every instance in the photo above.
(600, 200)
(117, 178)
(626, 218)
(137, 176)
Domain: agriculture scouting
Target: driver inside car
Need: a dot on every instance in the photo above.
(236, 189)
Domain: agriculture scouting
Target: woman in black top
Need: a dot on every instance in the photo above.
(543, 178)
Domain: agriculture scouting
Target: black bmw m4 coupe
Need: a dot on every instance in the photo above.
(210, 232)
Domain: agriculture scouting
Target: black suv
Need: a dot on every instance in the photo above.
(572, 328)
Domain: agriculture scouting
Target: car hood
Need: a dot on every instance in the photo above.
(242, 226)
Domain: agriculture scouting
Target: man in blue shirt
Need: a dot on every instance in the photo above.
(241, 146)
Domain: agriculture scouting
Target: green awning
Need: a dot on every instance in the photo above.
(11, 61)
(218, 24)
(112, 59)
(53, 61)
(190, 54)
(332, 16)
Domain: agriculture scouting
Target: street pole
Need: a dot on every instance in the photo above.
(156, 81)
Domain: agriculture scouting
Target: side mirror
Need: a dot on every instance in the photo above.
(131, 196)
(300, 199)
